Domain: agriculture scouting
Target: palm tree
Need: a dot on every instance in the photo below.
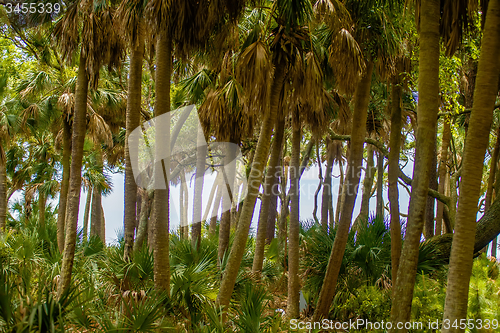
(4, 137)
(130, 14)
(474, 151)
(428, 104)
(99, 45)
(451, 21)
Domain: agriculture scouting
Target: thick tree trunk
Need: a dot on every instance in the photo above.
(327, 186)
(73, 203)
(201, 153)
(474, 151)
(254, 181)
(86, 215)
(395, 147)
(142, 229)
(355, 162)
(273, 208)
(428, 105)
(3, 194)
(443, 170)
(63, 194)
(132, 122)
(161, 205)
(293, 234)
(429, 207)
(265, 206)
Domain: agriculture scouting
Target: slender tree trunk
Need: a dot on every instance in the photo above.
(429, 207)
(443, 170)
(474, 150)
(367, 184)
(492, 174)
(211, 198)
(142, 229)
(327, 186)
(132, 122)
(380, 184)
(217, 204)
(86, 215)
(225, 221)
(273, 208)
(355, 161)
(201, 153)
(293, 234)
(63, 194)
(320, 183)
(340, 194)
(254, 182)
(103, 227)
(267, 195)
(184, 199)
(42, 201)
(73, 203)
(96, 216)
(428, 104)
(395, 147)
(3, 193)
(161, 206)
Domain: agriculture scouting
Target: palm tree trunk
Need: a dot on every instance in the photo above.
(492, 174)
(210, 202)
(75, 181)
(225, 221)
(293, 234)
(3, 193)
(273, 206)
(201, 153)
(95, 215)
(395, 147)
(254, 182)
(132, 122)
(103, 226)
(86, 215)
(63, 194)
(161, 205)
(380, 184)
(327, 186)
(428, 104)
(184, 199)
(367, 184)
(265, 206)
(320, 183)
(340, 194)
(355, 161)
(142, 229)
(442, 171)
(42, 200)
(474, 151)
(217, 204)
(429, 207)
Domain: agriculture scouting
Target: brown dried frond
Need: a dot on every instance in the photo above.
(66, 103)
(253, 71)
(66, 31)
(346, 59)
(129, 20)
(332, 12)
(98, 130)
